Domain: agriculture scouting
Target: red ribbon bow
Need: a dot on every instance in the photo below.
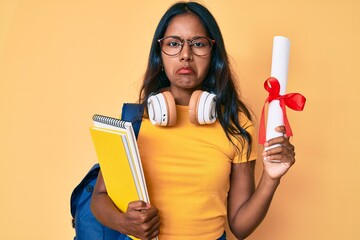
(295, 101)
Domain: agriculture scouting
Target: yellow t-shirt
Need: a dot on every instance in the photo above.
(187, 170)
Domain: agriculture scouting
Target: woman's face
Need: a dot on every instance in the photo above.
(186, 71)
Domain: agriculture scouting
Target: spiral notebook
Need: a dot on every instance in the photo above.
(118, 155)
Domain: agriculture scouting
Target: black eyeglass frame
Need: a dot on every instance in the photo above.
(189, 41)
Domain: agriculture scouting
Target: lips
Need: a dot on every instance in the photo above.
(185, 71)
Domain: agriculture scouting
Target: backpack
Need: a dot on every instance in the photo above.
(83, 221)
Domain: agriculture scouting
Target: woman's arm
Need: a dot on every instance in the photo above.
(248, 206)
(140, 220)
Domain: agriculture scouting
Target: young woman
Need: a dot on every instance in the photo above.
(199, 154)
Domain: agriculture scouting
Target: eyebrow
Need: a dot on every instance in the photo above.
(174, 36)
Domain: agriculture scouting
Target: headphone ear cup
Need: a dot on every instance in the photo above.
(193, 106)
(171, 108)
(202, 107)
(162, 109)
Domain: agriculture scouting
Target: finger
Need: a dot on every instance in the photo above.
(289, 147)
(155, 230)
(155, 223)
(138, 205)
(150, 213)
(279, 149)
(280, 158)
(281, 154)
(151, 226)
(276, 140)
(280, 141)
(146, 215)
(281, 129)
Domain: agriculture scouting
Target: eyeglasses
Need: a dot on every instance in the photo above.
(172, 45)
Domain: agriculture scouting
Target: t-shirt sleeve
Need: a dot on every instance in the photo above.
(242, 145)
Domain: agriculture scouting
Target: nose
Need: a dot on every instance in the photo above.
(186, 52)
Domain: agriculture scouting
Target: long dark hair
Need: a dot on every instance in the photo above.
(219, 80)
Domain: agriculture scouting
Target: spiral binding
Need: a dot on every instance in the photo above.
(109, 121)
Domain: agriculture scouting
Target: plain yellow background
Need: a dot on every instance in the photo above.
(61, 61)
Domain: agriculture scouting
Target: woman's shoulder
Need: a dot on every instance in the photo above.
(245, 121)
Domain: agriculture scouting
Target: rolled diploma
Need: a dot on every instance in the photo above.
(279, 70)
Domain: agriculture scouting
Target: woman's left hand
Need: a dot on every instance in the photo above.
(279, 159)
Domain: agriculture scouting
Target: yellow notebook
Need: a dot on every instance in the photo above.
(118, 155)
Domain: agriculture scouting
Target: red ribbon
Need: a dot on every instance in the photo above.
(295, 101)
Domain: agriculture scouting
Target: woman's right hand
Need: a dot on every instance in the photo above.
(142, 220)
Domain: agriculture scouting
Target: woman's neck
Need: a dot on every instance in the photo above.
(182, 97)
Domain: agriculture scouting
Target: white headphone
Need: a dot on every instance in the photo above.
(162, 108)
